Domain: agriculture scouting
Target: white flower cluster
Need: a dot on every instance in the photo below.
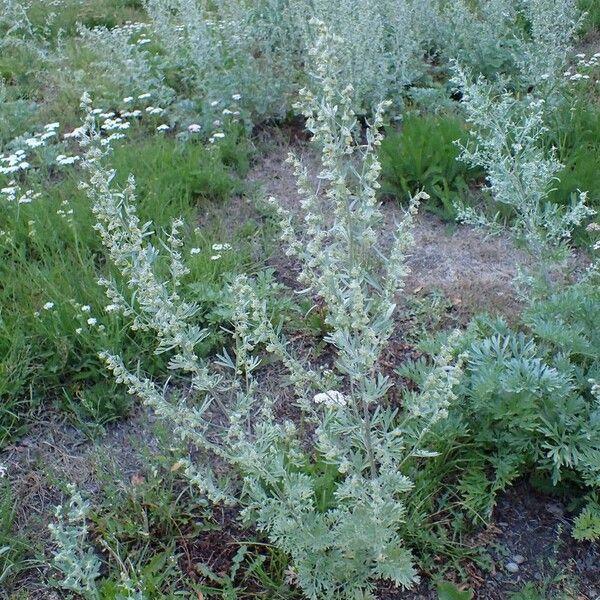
(112, 123)
(585, 69)
(13, 163)
(64, 160)
(331, 398)
(14, 193)
(39, 139)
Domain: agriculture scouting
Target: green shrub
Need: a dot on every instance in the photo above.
(422, 155)
(531, 399)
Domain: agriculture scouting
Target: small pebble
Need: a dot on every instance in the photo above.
(556, 510)
(512, 567)
(519, 559)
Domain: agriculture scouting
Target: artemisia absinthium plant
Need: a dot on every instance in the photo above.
(343, 535)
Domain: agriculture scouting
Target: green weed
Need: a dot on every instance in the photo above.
(449, 591)
(422, 155)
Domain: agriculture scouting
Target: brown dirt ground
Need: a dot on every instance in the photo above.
(475, 271)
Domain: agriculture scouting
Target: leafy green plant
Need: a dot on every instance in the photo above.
(95, 406)
(531, 398)
(574, 130)
(149, 513)
(247, 567)
(338, 542)
(528, 592)
(16, 371)
(175, 177)
(587, 524)
(76, 559)
(449, 591)
(423, 155)
(501, 39)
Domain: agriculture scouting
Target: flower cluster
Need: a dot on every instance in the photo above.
(39, 139)
(585, 69)
(13, 163)
(14, 193)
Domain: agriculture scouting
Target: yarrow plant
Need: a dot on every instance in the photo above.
(344, 535)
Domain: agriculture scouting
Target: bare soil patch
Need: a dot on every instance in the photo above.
(474, 271)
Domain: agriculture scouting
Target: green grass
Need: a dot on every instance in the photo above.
(423, 156)
(592, 20)
(13, 546)
(65, 17)
(51, 354)
(575, 133)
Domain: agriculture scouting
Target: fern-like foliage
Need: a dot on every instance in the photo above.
(531, 399)
(587, 523)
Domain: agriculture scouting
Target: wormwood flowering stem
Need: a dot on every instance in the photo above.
(367, 424)
(274, 465)
(506, 132)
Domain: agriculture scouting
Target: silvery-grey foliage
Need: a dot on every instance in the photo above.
(245, 455)
(506, 133)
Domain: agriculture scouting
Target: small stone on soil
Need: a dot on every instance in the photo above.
(519, 559)
(556, 510)
(512, 567)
